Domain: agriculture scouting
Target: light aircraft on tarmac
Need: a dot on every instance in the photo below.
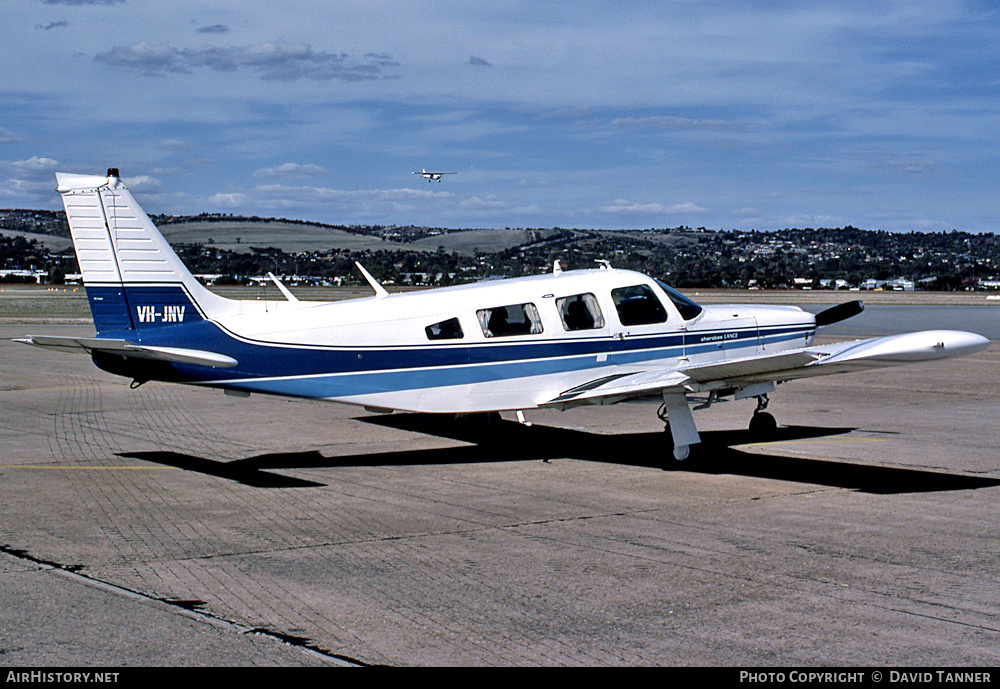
(431, 176)
(567, 338)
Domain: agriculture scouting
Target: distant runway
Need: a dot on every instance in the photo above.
(884, 319)
(177, 526)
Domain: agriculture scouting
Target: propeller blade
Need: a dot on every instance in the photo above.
(835, 314)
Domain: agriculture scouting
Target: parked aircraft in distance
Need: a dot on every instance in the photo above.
(568, 338)
(431, 176)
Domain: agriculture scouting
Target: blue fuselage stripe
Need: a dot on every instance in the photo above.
(340, 371)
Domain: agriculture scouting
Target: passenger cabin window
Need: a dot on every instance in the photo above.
(580, 312)
(450, 329)
(686, 307)
(638, 305)
(514, 319)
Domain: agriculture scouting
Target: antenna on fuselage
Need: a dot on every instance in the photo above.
(605, 264)
(379, 289)
(556, 267)
(284, 290)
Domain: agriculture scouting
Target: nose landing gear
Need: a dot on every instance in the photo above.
(678, 422)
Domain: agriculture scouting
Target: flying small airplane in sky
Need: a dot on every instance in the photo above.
(431, 176)
(564, 339)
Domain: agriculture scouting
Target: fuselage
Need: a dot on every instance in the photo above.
(488, 346)
(557, 341)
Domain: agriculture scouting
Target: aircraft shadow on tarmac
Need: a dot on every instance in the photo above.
(498, 440)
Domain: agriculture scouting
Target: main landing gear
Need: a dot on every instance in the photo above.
(762, 424)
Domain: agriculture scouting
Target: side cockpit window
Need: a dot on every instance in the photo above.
(450, 329)
(580, 312)
(638, 305)
(514, 319)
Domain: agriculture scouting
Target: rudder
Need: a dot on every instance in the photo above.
(134, 280)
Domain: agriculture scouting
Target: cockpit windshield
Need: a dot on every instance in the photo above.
(685, 306)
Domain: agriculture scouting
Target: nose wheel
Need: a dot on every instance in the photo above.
(679, 424)
(681, 453)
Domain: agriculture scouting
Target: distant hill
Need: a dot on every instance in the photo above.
(53, 243)
(243, 235)
(485, 241)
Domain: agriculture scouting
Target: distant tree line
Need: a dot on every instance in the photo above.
(683, 257)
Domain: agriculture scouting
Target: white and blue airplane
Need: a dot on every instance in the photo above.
(560, 340)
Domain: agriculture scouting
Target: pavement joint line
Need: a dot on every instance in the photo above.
(69, 571)
(937, 618)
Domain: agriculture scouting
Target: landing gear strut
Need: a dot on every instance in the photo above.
(762, 424)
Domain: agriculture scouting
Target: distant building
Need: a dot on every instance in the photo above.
(24, 276)
(897, 285)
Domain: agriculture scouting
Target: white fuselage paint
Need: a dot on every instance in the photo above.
(514, 375)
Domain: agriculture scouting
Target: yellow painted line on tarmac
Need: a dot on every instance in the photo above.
(78, 468)
(813, 442)
(66, 387)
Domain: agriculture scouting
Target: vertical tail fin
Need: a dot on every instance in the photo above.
(134, 279)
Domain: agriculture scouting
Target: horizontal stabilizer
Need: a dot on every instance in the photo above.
(128, 349)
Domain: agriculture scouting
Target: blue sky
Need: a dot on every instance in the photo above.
(607, 115)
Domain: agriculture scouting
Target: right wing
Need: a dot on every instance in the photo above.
(804, 362)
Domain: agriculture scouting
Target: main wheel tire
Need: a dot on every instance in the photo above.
(763, 425)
